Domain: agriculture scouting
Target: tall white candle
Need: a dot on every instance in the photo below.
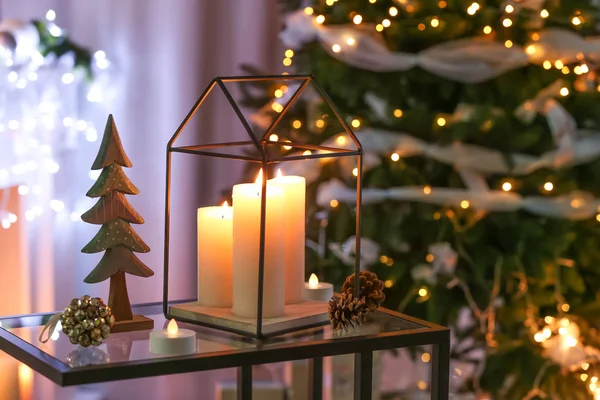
(215, 238)
(294, 192)
(246, 245)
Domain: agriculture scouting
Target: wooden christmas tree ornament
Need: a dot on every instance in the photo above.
(116, 236)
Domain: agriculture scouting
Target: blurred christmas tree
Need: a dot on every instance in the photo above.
(481, 127)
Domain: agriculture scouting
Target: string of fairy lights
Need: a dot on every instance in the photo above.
(559, 336)
(45, 118)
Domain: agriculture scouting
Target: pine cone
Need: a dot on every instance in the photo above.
(371, 289)
(346, 311)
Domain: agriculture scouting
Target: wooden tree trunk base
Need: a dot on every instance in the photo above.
(138, 323)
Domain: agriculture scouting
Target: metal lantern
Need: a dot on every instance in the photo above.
(265, 151)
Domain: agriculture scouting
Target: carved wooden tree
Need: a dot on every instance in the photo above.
(116, 236)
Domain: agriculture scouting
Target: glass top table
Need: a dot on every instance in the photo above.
(127, 355)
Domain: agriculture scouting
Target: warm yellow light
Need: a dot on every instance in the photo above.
(427, 189)
(487, 29)
(580, 56)
(471, 11)
(329, 2)
(279, 173)
(585, 366)
(379, 28)
(172, 327)
(544, 13)
(558, 64)
(538, 337)
(313, 281)
(464, 204)
(296, 124)
(386, 23)
(530, 49)
(583, 377)
(506, 186)
(287, 62)
(562, 331)
(576, 21)
(506, 22)
(548, 186)
(535, 36)
(421, 26)
(547, 64)
(584, 68)
(277, 107)
(341, 140)
(437, 215)
(320, 19)
(547, 332)
(565, 307)
(570, 341)
(372, 1)
(388, 283)
(278, 93)
(259, 177)
(307, 153)
(425, 357)
(441, 121)
(355, 123)
(320, 123)
(289, 53)
(355, 171)
(396, 157)
(287, 147)
(509, 8)
(564, 91)
(334, 203)
(393, 11)
(435, 22)
(565, 70)
(442, 4)
(429, 258)
(410, 8)
(398, 113)
(357, 19)
(548, 319)
(508, 44)
(308, 10)
(598, 217)
(350, 41)
(225, 205)
(273, 137)
(336, 48)
(423, 291)
(383, 259)
(564, 322)
(422, 385)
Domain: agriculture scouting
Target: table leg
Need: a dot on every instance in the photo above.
(315, 371)
(244, 383)
(363, 375)
(440, 371)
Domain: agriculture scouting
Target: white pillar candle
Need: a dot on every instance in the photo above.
(173, 341)
(246, 247)
(318, 291)
(215, 238)
(294, 192)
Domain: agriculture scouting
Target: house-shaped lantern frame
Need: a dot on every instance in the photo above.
(265, 159)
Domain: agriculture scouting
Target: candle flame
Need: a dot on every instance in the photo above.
(225, 205)
(279, 173)
(313, 281)
(259, 177)
(172, 328)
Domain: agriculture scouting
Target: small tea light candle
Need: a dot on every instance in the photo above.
(173, 341)
(317, 291)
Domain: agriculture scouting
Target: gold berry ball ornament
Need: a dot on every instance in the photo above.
(87, 321)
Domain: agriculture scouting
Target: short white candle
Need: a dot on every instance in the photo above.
(215, 237)
(294, 192)
(246, 246)
(173, 341)
(317, 291)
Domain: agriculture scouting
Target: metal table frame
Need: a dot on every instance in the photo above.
(266, 352)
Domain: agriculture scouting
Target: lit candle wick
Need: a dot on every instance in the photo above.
(224, 209)
(313, 281)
